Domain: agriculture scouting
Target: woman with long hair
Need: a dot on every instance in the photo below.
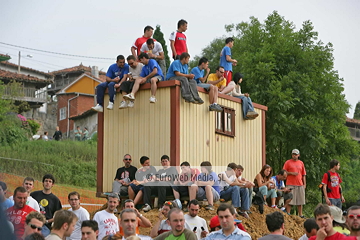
(265, 184)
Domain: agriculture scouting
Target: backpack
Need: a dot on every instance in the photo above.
(321, 186)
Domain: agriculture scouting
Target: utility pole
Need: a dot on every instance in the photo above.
(19, 63)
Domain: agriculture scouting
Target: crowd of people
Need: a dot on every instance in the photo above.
(146, 64)
(39, 214)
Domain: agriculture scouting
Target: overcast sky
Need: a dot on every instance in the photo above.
(108, 28)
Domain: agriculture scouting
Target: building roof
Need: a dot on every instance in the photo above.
(4, 57)
(80, 68)
(6, 63)
(83, 115)
(351, 120)
(78, 79)
(7, 75)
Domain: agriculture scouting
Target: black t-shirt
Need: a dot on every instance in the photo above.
(48, 203)
(142, 175)
(57, 135)
(124, 173)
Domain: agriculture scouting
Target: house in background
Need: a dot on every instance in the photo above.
(354, 128)
(74, 104)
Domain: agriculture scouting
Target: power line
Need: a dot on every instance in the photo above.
(65, 54)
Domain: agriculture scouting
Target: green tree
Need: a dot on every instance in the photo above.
(357, 111)
(159, 36)
(292, 73)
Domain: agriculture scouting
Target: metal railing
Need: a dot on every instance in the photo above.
(25, 94)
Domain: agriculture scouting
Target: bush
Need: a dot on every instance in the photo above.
(34, 126)
(12, 131)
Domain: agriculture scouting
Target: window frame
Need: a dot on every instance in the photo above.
(222, 129)
(62, 115)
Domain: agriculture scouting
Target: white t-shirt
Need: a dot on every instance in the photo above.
(303, 237)
(136, 71)
(156, 51)
(82, 215)
(223, 183)
(197, 222)
(31, 202)
(108, 223)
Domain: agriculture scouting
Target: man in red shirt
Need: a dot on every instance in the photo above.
(296, 180)
(135, 48)
(331, 185)
(324, 220)
(178, 40)
(17, 213)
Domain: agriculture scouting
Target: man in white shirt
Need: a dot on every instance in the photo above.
(28, 184)
(195, 223)
(108, 222)
(128, 223)
(80, 212)
(155, 51)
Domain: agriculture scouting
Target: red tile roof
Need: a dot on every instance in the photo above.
(6, 63)
(80, 68)
(21, 77)
(351, 120)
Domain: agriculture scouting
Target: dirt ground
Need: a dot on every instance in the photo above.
(255, 226)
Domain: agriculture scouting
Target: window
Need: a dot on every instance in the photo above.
(62, 113)
(225, 122)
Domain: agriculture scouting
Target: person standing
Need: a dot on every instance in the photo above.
(225, 59)
(296, 180)
(276, 226)
(178, 40)
(128, 222)
(196, 224)
(28, 184)
(33, 223)
(135, 48)
(85, 134)
(81, 213)
(331, 185)
(58, 134)
(78, 133)
(5, 203)
(63, 225)
(48, 202)
(353, 220)
(89, 230)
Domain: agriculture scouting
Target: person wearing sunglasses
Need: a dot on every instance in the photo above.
(124, 176)
(33, 223)
(17, 213)
(324, 220)
(353, 220)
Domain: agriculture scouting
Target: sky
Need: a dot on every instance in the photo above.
(105, 29)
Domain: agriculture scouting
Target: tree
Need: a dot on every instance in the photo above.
(292, 72)
(159, 36)
(357, 111)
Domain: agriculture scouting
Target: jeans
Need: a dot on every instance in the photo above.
(336, 202)
(246, 105)
(268, 193)
(100, 91)
(245, 199)
(188, 87)
(233, 193)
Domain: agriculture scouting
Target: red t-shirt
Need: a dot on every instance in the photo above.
(334, 184)
(139, 42)
(17, 218)
(295, 166)
(336, 236)
(180, 43)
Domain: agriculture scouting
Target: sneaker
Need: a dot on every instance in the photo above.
(284, 210)
(190, 100)
(110, 106)
(252, 114)
(152, 99)
(146, 208)
(123, 104)
(199, 101)
(302, 216)
(212, 107)
(129, 97)
(274, 206)
(209, 207)
(178, 203)
(222, 200)
(244, 214)
(219, 109)
(98, 108)
(131, 104)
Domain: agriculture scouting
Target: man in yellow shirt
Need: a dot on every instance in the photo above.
(218, 78)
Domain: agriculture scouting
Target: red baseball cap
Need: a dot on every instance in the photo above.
(214, 222)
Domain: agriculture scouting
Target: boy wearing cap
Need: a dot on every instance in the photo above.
(296, 180)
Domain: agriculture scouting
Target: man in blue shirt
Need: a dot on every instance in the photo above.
(282, 191)
(116, 74)
(150, 73)
(201, 78)
(179, 70)
(225, 59)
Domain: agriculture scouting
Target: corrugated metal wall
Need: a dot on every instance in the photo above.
(199, 142)
(148, 136)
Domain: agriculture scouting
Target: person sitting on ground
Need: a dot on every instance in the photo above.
(234, 89)
(150, 73)
(141, 220)
(246, 185)
(179, 70)
(282, 191)
(265, 184)
(155, 51)
(218, 78)
(161, 225)
(115, 76)
(339, 222)
(45, 136)
(276, 226)
(200, 78)
(206, 186)
(142, 176)
(182, 184)
(230, 189)
(310, 227)
(127, 86)
(124, 176)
